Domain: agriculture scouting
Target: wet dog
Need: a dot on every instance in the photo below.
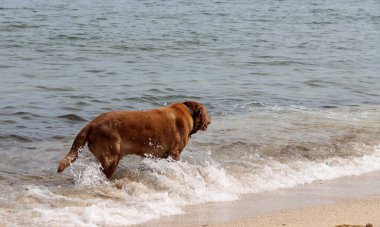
(160, 132)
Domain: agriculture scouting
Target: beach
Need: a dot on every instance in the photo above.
(353, 200)
(354, 212)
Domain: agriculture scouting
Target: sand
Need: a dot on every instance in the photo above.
(351, 200)
(355, 212)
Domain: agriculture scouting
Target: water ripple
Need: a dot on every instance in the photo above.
(72, 117)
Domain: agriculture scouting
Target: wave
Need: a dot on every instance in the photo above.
(157, 187)
(72, 117)
(17, 138)
(262, 149)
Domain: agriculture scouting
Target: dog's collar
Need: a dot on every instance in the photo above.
(193, 115)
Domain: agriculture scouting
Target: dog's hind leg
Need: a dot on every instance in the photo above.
(109, 165)
(108, 154)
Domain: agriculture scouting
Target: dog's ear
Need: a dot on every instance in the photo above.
(201, 117)
(201, 121)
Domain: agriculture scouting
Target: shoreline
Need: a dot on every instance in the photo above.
(302, 205)
(359, 212)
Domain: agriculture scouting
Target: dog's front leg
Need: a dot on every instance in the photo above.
(175, 154)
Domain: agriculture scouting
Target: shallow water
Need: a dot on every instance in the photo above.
(293, 89)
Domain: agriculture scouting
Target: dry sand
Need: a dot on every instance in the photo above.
(355, 212)
(349, 200)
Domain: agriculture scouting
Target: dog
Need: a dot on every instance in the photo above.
(160, 133)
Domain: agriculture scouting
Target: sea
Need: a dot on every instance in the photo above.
(293, 89)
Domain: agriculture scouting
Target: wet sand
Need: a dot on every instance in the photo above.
(351, 200)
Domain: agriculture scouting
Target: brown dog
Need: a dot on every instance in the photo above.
(159, 132)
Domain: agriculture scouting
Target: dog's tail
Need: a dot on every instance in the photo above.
(78, 143)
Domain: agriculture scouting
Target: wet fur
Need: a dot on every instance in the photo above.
(160, 132)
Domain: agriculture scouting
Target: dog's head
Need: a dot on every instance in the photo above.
(200, 116)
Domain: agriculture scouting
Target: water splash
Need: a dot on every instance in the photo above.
(87, 171)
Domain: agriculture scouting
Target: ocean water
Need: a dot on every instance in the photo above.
(293, 88)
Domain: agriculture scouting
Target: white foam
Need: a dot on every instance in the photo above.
(162, 187)
(194, 183)
(276, 175)
(87, 170)
(95, 211)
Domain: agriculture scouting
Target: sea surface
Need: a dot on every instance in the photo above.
(293, 88)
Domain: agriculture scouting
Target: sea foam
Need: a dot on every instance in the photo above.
(162, 187)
